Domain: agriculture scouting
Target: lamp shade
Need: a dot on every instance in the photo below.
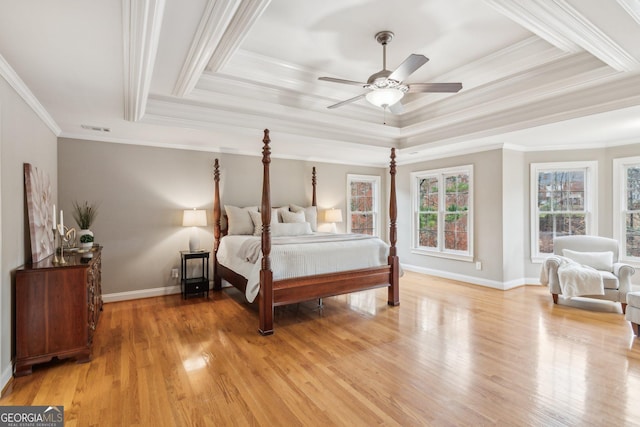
(194, 218)
(333, 215)
(384, 97)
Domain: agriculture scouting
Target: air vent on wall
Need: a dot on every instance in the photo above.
(96, 128)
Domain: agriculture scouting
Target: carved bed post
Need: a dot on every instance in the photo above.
(393, 297)
(313, 186)
(217, 281)
(266, 275)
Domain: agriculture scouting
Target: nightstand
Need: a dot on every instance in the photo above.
(198, 285)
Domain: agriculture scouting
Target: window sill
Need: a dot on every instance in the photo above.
(448, 255)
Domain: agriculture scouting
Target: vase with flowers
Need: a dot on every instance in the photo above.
(84, 214)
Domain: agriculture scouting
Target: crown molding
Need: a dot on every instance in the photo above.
(593, 40)
(563, 26)
(538, 17)
(547, 80)
(9, 74)
(611, 94)
(245, 17)
(142, 20)
(632, 7)
(215, 20)
(233, 112)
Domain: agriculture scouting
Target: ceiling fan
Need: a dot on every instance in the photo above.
(386, 88)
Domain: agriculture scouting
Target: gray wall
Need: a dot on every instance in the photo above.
(24, 138)
(143, 190)
(487, 184)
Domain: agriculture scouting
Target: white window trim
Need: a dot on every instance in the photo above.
(440, 252)
(591, 198)
(375, 179)
(619, 208)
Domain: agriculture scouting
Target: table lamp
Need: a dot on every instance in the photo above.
(333, 216)
(194, 218)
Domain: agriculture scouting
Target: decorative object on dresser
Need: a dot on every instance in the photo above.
(85, 214)
(195, 285)
(282, 282)
(39, 206)
(57, 308)
(194, 218)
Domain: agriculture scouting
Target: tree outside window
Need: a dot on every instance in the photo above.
(626, 202)
(563, 199)
(443, 220)
(363, 194)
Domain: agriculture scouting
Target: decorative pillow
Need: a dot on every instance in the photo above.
(239, 219)
(310, 215)
(293, 216)
(256, 218)
(598, 260)
(280, 211)
(290, 229)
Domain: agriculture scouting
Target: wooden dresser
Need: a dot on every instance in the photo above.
(57, 309)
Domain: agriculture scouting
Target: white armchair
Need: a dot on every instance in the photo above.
(616, 276)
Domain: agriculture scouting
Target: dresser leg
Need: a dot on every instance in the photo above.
(23, 370)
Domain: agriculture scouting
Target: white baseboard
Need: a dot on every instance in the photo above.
(471, 279)
(6, 376)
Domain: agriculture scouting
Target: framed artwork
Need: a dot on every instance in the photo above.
(40, 210)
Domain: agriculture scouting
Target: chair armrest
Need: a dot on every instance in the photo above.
(549, 274)
(623, 272)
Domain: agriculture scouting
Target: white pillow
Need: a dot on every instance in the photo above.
(598, 260)
(290, 229)
(256, 218)
(280, 211)
(293, 216)
(239, 220)
(310, 215)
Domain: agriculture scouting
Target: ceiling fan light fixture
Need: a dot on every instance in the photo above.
(384, 97)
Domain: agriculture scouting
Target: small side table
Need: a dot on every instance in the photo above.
(195, 285)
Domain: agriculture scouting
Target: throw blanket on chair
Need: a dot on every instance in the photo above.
(574, 279)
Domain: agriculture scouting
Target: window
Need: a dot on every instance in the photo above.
(442, 222)
(563, 200)
(363, 192)
(626, 207)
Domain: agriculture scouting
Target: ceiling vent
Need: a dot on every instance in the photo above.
(96, 128)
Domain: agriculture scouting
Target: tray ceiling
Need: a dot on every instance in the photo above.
(210, 75)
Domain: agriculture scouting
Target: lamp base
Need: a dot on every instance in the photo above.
(194, 241)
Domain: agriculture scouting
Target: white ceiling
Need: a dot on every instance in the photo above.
(211, 74)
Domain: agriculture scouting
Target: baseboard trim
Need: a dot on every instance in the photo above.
(504, 286)
(143, 293)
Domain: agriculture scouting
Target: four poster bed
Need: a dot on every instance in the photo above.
(377, 264)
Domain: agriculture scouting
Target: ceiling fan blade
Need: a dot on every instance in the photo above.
(343, 81)
(411, 64)
(397, 108)
(340, 104)
(435, 87)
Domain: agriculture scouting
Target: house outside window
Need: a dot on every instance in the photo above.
(363, 195)
(626, 207)
(442, 222)
(563, 200)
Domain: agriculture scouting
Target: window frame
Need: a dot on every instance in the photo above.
(440, 250)
(620, 210)
(375, 179)
(590, 203)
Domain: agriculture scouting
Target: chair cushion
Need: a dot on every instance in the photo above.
(633, 299)
(609, 280)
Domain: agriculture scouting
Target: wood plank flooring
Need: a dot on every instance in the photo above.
(450, 354)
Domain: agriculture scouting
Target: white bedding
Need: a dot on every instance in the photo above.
(306, 255)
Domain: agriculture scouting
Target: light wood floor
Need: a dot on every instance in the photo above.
(450, 354)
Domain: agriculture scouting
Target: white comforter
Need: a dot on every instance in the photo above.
(574, 279)
(299, 256)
